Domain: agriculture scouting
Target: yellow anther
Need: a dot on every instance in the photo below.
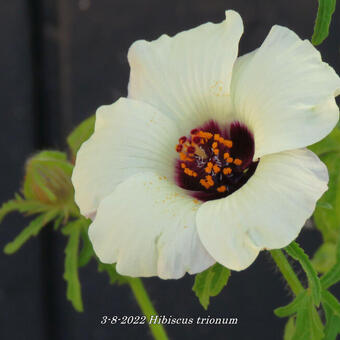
(204, 184)
(222, 188)
(214, 145)
(216, 151)
(216, 169)
(229, 159)
(209, 180)
(208, 135)
(183, 165)
(227, 171)
(237, 161)
(208, 170)
(216, 136)
(228, 143)
(226, 155)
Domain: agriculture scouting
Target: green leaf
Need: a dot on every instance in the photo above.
(292, 307)
(73, 230)
(328, 221)
(210, 283)
(80, 134)
(110, 269)
(330, 144)
(332, 328)
(308, 323)
(86, 252)
(289, 329)
(325, 257)
(333, 275)
(298, 254)
(323, 21)
(23, 206)
(31, 230)
(331, 301)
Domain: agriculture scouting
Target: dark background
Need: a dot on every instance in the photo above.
(59, 61)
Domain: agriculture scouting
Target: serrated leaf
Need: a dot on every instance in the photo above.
(31, 230)
(80, 134)
(71, 265)
(110, 269)
(292, 307)
(323, 21)
(308, 323)
(86, 252)
(210, 283)
(298, 254)
(289, 329)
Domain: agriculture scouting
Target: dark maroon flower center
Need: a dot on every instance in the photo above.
(215, 162)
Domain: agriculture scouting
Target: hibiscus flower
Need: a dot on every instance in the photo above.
(206, 158)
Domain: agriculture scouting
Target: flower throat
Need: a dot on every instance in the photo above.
(215, 162)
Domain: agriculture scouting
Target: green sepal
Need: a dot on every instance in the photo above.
(210, 283)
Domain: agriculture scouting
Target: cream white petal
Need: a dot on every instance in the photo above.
(188, 76)
(147, 225)
(284, 93)
(130, 137)
(267, 212)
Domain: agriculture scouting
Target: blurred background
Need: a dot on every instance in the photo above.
(60, 60)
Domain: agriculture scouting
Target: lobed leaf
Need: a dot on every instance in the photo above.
(86, 252)
(31, 230)
(308, 323)
(210, 283)
(298, 254)
(289, 329)
(71, 277)
(323, 21)
(292, 307)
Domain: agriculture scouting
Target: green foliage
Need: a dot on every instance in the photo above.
(80, 134)
(298, 254)
(31, 230)
(324, 258)
(210, 283)
(86, 252)
(110, 269)
(289, 329)
(72, 230)
(308, 324)
(331, 307)
(323, 21)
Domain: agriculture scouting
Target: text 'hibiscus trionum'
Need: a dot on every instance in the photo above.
(205, 160)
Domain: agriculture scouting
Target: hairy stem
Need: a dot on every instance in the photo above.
(287, 271)
(147, 308)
